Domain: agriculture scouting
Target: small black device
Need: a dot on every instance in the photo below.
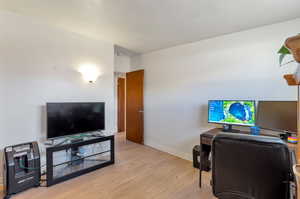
(65, 119)
(22, 168)
(284, 135)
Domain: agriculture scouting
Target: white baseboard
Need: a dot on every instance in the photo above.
(169, 150)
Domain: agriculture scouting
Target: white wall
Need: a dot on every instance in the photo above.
(135, 62)
(122, 63)
(38, 64)
(180, 80)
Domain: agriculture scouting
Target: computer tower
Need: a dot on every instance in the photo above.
(22, 169)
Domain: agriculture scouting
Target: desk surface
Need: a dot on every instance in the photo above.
(213, 132)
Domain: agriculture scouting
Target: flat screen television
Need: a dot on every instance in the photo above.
(232, 112)
(65, 119)
(277, 115)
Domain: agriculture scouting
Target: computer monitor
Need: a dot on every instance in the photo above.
(277, 115)
(232, 112)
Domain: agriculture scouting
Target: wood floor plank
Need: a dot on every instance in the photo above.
(140, 172)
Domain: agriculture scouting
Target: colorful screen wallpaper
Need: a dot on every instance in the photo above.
(232, 112)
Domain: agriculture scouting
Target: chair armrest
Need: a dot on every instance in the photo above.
(293, 190)
(295, 181)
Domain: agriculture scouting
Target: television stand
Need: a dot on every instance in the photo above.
(74, 158)
(228, 128)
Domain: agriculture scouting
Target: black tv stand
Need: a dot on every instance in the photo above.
(228, 128)
(74, 157)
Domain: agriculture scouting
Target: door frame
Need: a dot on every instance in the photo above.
(121, 99)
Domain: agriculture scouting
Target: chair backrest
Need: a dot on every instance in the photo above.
(250, 167)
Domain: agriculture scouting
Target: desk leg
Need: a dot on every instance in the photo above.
(204, 161)
(204, 154)
(200, 177)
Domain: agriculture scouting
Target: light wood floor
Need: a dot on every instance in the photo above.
(140, 172)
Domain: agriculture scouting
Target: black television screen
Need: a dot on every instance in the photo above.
(277, 115)
(72, 118)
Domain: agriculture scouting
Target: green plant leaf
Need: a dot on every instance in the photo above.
(284, 51)
(281, 57)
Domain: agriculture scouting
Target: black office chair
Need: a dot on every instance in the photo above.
(250, 167)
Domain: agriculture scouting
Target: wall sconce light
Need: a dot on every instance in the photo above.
(89, 72)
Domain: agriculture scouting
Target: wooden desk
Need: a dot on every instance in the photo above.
(206, 139)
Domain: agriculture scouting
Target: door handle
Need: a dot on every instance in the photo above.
(141, 111)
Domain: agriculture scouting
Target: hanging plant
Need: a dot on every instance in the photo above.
(291, 46)
(283, 51)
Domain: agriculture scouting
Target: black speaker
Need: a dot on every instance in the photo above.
(22, 168)
(196, 156)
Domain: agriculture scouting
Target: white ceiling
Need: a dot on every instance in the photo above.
(147, 25)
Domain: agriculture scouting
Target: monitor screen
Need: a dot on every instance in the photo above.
(72, 118)
(277, 115)
(231, 112)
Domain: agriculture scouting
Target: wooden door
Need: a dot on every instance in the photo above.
(121, 104)
(135, 106)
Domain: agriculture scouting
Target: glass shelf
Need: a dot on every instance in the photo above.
(80, 164)
(80, 159)
(66, 155)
